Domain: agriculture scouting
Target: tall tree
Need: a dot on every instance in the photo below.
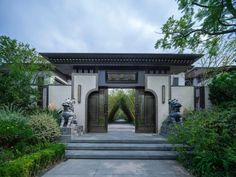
(206, 26)
(19, 67)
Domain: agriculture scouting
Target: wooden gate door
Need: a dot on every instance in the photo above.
(98, 111)
(145, 112)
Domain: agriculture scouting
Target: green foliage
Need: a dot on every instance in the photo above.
(121, 105)
(19, 67)
(212, 134)
(52, 112)
(125, 107)
(20, 149)
(44, 127)
(206, 26)
(31, 165)
(6, 155)
(121, 110)
(11, 108)
(13, 128)
(114, 111)
(55, 114)
(223, 88)
(21, 135)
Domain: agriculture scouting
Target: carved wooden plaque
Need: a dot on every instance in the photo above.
(121, 77)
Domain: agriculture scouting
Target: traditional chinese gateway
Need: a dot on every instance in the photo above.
(86, 78)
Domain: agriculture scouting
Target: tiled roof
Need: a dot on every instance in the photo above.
(121, 59)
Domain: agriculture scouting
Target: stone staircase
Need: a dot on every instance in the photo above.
(121, 142)
(154, 148)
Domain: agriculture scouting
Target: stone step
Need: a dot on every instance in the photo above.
(121, 141)
(91, 154)
(122, 147)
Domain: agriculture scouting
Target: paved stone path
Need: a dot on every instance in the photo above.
(118, 167)
(121, 128)
(118, 132)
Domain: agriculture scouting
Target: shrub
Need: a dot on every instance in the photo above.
(6, 155)
(11, 108)
(23, 148)
(44, 127)
(19, 150)
(230, 105)
(53, 112)
(13, 128)
(212, 134)
(222, 88)
(31, 165)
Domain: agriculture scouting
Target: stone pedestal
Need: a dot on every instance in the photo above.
(80, 130)
(77, 130)
(65, 135)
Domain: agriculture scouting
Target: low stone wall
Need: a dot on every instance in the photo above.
(57, 94)
(185, 96)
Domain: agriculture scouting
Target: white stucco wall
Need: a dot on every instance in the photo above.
(154, 83)
(185, 96)
(58, 94)
(51, 77)
(181, 77)
(88, 82)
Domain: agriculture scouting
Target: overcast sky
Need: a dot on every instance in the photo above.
(86, 25)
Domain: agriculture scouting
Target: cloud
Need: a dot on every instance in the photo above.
(86, 26)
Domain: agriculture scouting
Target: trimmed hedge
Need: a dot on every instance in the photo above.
(31, 165)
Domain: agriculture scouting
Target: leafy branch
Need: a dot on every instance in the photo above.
(202, 27)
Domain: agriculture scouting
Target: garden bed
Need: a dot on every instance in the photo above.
(28, 142)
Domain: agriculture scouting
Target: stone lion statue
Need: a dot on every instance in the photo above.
(68, 116)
